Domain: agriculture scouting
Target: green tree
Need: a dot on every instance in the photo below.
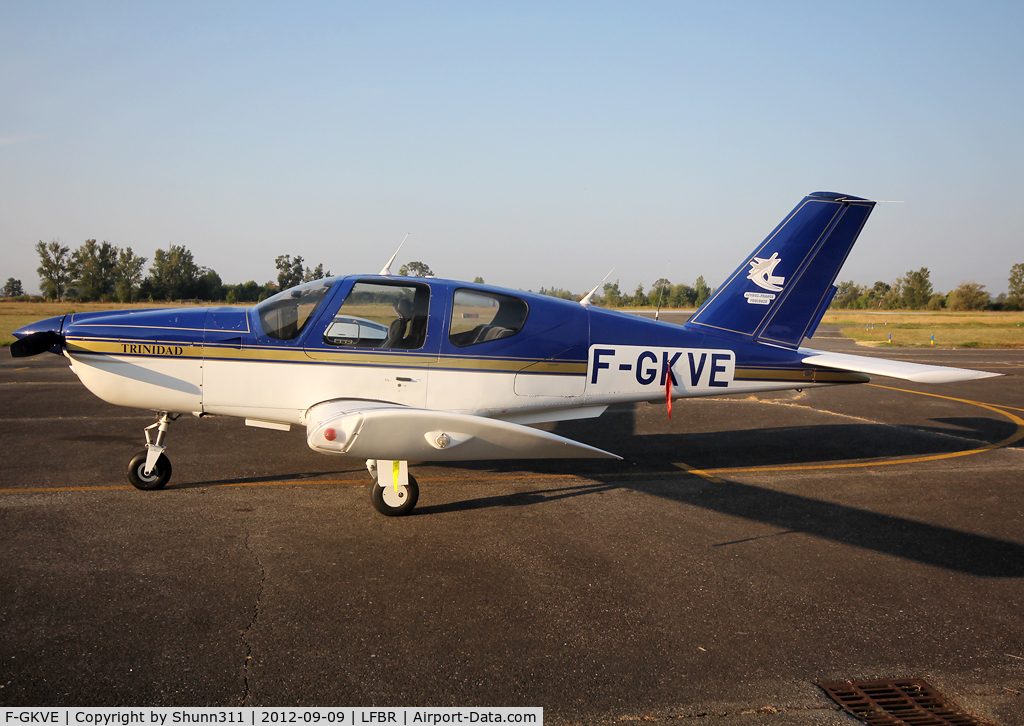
(478, 280)
(847, 295)
(874, 297)
(289, 271)
(659, 291)
(13, 288)
(316, 273)
(916, 289)
(612, 297)
(936, 302)
(703, 291)
(128, 275)
(415, 269)
(969, 296)
(173, 274)
(209, 285)
(94, 268)
(54, 269)
(559, 293)
(639, 298)
(681, 296)
(247, 292)
(1015, 291)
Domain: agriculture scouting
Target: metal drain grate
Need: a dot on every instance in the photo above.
(902, 702)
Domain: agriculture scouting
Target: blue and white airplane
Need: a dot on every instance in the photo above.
(395, 369)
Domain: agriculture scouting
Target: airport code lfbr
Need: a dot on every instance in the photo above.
(255, 716)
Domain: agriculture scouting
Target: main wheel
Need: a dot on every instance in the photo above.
(160, 475)
(395, 504)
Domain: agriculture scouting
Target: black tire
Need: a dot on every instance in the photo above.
(160, 475)
(395, 504)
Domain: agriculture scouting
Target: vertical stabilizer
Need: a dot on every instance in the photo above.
(780, 293)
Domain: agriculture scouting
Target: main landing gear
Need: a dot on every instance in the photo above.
(150, 468)
(395, 491)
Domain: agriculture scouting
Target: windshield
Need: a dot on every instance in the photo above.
(285, 315)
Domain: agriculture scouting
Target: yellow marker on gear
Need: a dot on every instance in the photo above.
(396, 469)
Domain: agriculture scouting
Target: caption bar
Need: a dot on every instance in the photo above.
(259, 716)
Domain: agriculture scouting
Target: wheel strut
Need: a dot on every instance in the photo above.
(155, 448)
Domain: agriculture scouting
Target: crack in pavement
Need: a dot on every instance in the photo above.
(256, 609)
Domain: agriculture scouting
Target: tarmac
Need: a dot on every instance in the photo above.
(742, 551)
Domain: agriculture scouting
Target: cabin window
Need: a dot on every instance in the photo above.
(284, 315)
(480, 317)
(381, 315)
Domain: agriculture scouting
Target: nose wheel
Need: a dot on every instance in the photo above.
(155, 479)
(150, 468)
(396, 496)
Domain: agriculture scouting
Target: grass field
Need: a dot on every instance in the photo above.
(984, 330)
(950, 329)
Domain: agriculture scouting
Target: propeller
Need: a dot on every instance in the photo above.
(34, 344)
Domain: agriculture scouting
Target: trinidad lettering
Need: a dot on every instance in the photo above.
(145, 349)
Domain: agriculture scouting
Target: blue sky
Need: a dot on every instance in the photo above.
(531, 144)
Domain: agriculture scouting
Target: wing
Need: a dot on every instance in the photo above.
(373, 430)
(893, 368)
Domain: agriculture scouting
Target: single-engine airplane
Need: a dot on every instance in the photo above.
(396, 369)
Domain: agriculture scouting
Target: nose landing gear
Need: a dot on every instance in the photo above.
(150, 469)
(394, 492)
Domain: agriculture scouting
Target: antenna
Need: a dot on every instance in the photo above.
(386, 271)
(661, 293)
(585, 302)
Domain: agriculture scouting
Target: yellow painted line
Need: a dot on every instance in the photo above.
(1012, 439)
(1012, 408)
(701, 473)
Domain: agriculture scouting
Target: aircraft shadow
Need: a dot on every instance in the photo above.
(293, 478)
(651, 471)
(762, 447)
(921, 542)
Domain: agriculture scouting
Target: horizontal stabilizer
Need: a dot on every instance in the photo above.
(370, 430)
(916, 372)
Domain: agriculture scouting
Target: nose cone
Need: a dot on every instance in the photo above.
(38, 337)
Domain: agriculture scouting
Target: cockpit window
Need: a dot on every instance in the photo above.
(480, 317)
(284, 315)
(381, 315)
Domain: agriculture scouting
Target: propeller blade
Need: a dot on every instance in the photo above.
(34, 344)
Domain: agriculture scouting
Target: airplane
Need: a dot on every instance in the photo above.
(396, 369)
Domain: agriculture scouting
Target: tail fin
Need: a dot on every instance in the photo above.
(781, 292)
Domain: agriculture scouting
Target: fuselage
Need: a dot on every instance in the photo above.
(462, 348)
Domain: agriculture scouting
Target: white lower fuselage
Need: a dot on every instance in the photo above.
(282, 392)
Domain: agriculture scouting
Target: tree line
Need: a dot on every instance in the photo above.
(914, 291)
(102, 272)
(662, 294)
(99, 271)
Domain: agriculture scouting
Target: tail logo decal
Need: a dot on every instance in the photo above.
(761, 273)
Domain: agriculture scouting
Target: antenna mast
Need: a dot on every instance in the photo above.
(386, 271)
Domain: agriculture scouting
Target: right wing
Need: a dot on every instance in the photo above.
(374, 430)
